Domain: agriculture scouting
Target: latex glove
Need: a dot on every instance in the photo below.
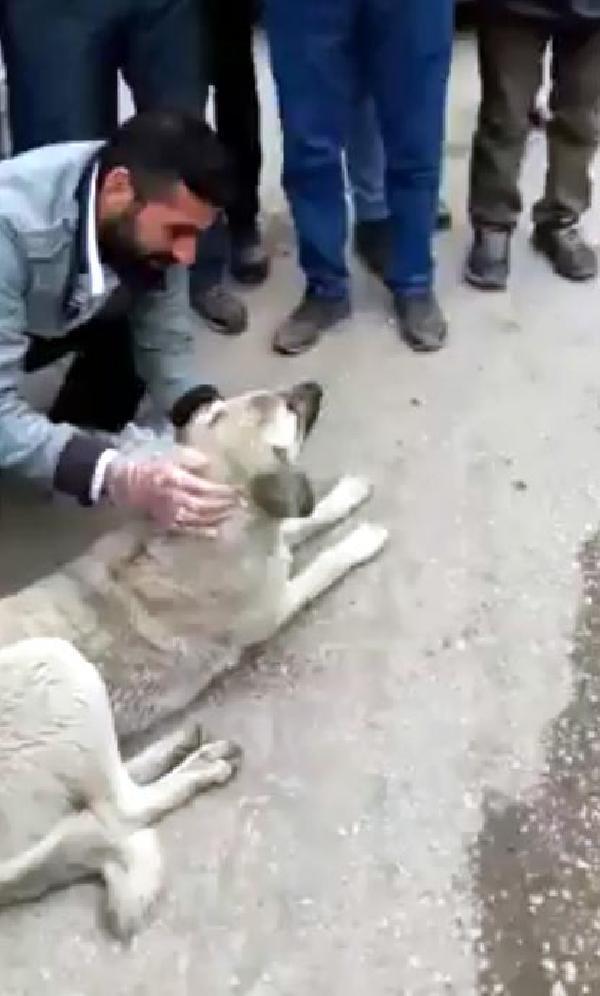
(171, 492)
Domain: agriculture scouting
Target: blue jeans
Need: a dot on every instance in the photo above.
(62, 58)
(321, 50)
(365, 161)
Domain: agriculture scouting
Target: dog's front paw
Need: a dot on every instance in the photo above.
(366, 542)
(225, 770)
(221, 750)
(350, 493)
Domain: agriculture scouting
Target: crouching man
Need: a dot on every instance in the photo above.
(95, 241)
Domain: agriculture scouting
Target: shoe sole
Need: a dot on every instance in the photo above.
(221, 329)
(418, 346)
(304, 348)
(481, 284)
(573, 278)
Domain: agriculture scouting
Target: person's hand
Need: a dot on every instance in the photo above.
(171, 491)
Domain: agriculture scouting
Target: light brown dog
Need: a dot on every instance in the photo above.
(159, 615)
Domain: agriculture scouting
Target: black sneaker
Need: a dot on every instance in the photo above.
(420, 321)
(312, 317)
(372, 244)
(249, 262)
(570, 256)
(488, 262)
(223, 311)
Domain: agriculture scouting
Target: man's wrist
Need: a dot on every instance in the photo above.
(97, 486)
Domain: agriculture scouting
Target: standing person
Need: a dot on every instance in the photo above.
(513, 36)
(62, 61)
(230, 34)
(320, 49)
(365, 160)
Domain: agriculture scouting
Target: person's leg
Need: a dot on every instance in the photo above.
(311, 53)
(573, 133)
(164, 62)
(511, 54)
(101, 389)
(165, 65)
(365, 162)
(61, 64)
(231, 29)
(407, 47)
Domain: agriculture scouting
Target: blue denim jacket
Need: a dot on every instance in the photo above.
(40, 220)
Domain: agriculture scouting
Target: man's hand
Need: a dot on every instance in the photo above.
(171, 492)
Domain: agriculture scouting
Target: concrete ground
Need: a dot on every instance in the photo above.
(418, 813)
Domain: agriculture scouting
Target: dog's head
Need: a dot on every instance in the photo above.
(254, 441)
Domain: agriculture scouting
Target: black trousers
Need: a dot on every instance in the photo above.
(101, 389)
(229, 34)
(511, 52)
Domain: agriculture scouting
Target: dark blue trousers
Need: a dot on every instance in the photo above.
(324, 54)
(62, 58)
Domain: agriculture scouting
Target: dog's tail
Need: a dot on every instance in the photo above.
(79, 846)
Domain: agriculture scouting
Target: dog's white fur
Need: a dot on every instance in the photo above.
(160, 616)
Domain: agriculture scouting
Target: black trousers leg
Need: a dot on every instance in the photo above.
(230, 25)
(102, 389)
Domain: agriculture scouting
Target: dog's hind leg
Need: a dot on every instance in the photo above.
(80, 846)
(330, 566)
(134, 877)
(347, 495)
(76, 847)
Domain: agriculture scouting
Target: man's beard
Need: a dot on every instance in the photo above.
(119, 249)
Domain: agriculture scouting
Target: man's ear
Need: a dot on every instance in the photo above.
(283, 494)
(190, 403)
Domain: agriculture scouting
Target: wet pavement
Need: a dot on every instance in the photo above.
(536, 863)
(417, 811)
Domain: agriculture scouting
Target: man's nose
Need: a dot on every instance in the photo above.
(184, 250)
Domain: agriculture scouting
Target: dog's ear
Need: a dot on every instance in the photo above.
(190, 403)
(283, 494)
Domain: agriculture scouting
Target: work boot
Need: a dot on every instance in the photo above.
(223, 311)
(249, 262)
(420, 321)
(372, 244)
(488, 262)
(304, 327)
(570, 256)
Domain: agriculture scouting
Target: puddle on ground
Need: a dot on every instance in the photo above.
(537, 864)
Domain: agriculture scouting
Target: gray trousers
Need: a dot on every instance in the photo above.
(511, 53)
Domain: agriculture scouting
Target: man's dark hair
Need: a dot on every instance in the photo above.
(162, 148)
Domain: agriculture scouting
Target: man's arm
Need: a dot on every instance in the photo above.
(165, 330)
(55, 456)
